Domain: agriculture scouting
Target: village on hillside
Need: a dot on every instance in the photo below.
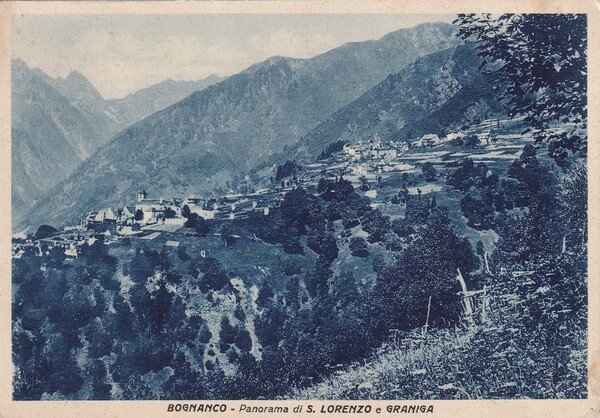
(366, 164)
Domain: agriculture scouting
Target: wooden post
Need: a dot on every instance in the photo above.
(466, 298)
(427, 319)
(487, 265)
(564, 244)
(484, 304)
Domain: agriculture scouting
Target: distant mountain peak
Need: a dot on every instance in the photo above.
(19, 63)
(75, 75)
(57, 122)
(77, 85)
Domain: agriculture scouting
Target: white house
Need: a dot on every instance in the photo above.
(150, 208)
(484, 138)
(430, 140)
(453, 136)
(127, 214)
(417, 143)
(200, 211)
(71, 251)
(194, 200)
(351, 151)
(101, 220)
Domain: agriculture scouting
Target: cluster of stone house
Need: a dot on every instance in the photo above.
(374, 150)
(148, 211)
(368, 161)
(151, 211)
(482, 131)
(68, 241)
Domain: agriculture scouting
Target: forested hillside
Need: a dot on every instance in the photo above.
(456, 269)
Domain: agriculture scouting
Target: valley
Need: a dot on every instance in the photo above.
(390, 219)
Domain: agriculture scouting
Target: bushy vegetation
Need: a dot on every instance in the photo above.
(542, 80)
(78, 333)
(45, 231)
(528, 336)
(331, 149)
(287, 169)
(127, 328)
(133, 321)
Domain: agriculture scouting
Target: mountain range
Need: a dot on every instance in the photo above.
(431, 95)
(59, 122)
(213, 137)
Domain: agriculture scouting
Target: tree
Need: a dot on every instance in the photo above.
(202, 226)
(478, 207)
(185, 211)
(139, 215)
(528, 170)
(227, 236)
(191, 220)
(215, 276)
(479, 248)
(376, 225)
(429, 171)
(469, 175)
(516, 193)
(538, 64)
(358, 247)
(265, 295)
(322, 241)
(471, 141)
(45, 231)
(572, 194)
(317, 278)
(417, 210)
(243, 340)
(364, 184)
(228, 332)
(426, 268)
(169, 213)
(288, 169)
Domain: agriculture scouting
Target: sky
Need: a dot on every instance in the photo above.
(122, 54)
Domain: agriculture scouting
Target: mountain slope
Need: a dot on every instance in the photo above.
(84, 96)
(428, 96)
(144, 102)
(59, 122)
(114, 115)
(211, 137)
(50, 137)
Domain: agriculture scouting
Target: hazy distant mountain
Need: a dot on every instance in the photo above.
(50, 137)
(58, 122)
(84, 96)
(112, 116)
(144, 102)
(428, 96)
(212, 136)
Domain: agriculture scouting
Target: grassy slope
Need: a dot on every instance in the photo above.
(489, 359)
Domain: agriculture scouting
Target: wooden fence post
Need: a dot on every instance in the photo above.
(427, 319)
(466, 298)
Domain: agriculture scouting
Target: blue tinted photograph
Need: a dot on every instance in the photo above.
(299, 206)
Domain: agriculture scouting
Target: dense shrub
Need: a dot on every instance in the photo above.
(358, 247)
(45, 231)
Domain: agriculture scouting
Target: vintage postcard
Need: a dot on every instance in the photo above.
(299, 209)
